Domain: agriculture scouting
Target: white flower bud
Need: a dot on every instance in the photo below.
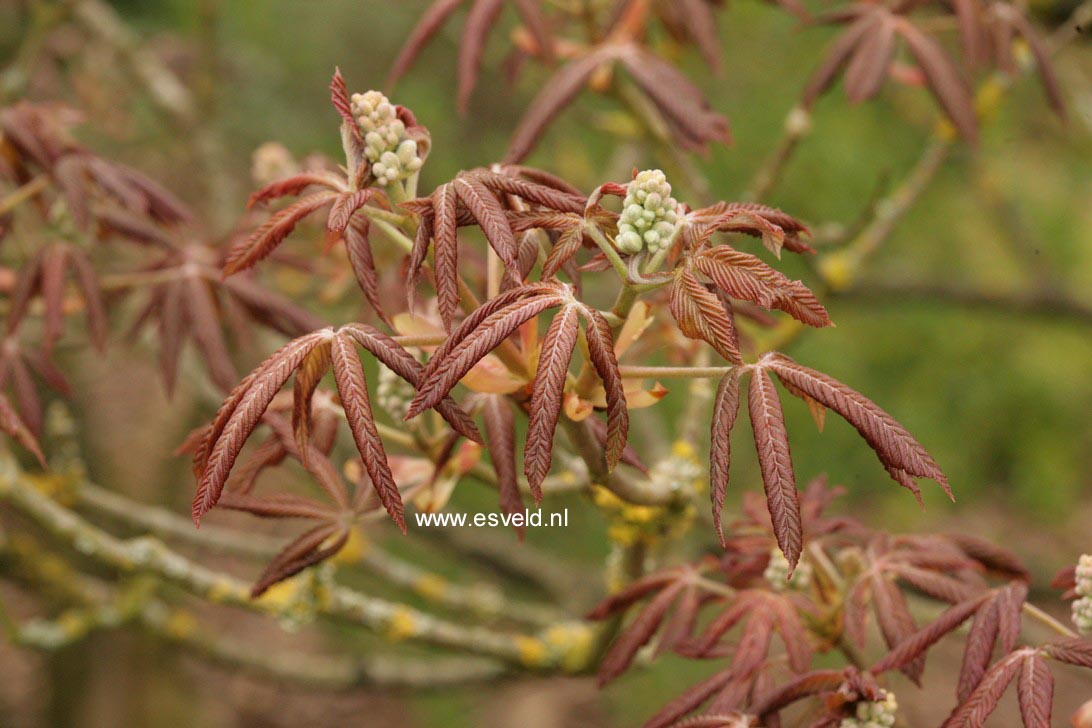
(1084, 575)
(878, 714)
(392, 154)
(629, 242)
(649, 213)
(1082, 614)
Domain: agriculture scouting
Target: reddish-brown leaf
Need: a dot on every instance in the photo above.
(1035, 689)
(701, 315)
(490, 216)
(990, 555)
(500, 440)
(682, 104)
(838, 55)
(12, 425)
(554, 96)
(637, 634)
(563, 251)
(1076, 651)
(775, 462)
(428, 26)
(352, 388)
(725, 409)
(535, 20)
(248, 251)
(895, 621)
(240, 414)
(445, 230)
(293, 186)
(277, 505)
(54, 261)
(339, 97)
(943, 78)
(310, 372)
(917, 643)
(483, 15)
(304, 552)
(701, 24)
(359, 247)
(547, 396)
(548, 196)
(893, 444)
(744, 276)
(94, 309)
(391, 354)
(871, 60)
(603, 360)
(199, 307)
(977, 708)
(441, 375)
(341, 212)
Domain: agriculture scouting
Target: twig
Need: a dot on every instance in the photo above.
(637, 491)
(1044, 303)
(698, 372)
(1048, 621)
(797, 127)
(103, 608)
(23, 193)
(149, 555)
(482, 599)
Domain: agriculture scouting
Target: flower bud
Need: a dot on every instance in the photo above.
(874, 714)
(1082, 614)
(649, 214)
(1084, 575)
(392, 154)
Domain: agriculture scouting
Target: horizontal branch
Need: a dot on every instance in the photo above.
(482, 599)
(150, 555)
(100, 607)
(1049, 304)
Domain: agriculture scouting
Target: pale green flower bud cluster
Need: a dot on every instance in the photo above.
(393, 393)
(874, 714)
(1082, 607)
(777, 573)
(392, 154)
(650, 215)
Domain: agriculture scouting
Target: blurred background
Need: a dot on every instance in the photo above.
(972, 324)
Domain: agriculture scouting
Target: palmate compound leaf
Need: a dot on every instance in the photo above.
(902, 455)
(479, 197)
(547, 395)
(931, 565)
(44, 274)
(665, 587)
(685, 111)
(480, 21)
(499, 318)
(244, 408)
(1035, 690)
(866, 50)
(191, 299)
(331, 522)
